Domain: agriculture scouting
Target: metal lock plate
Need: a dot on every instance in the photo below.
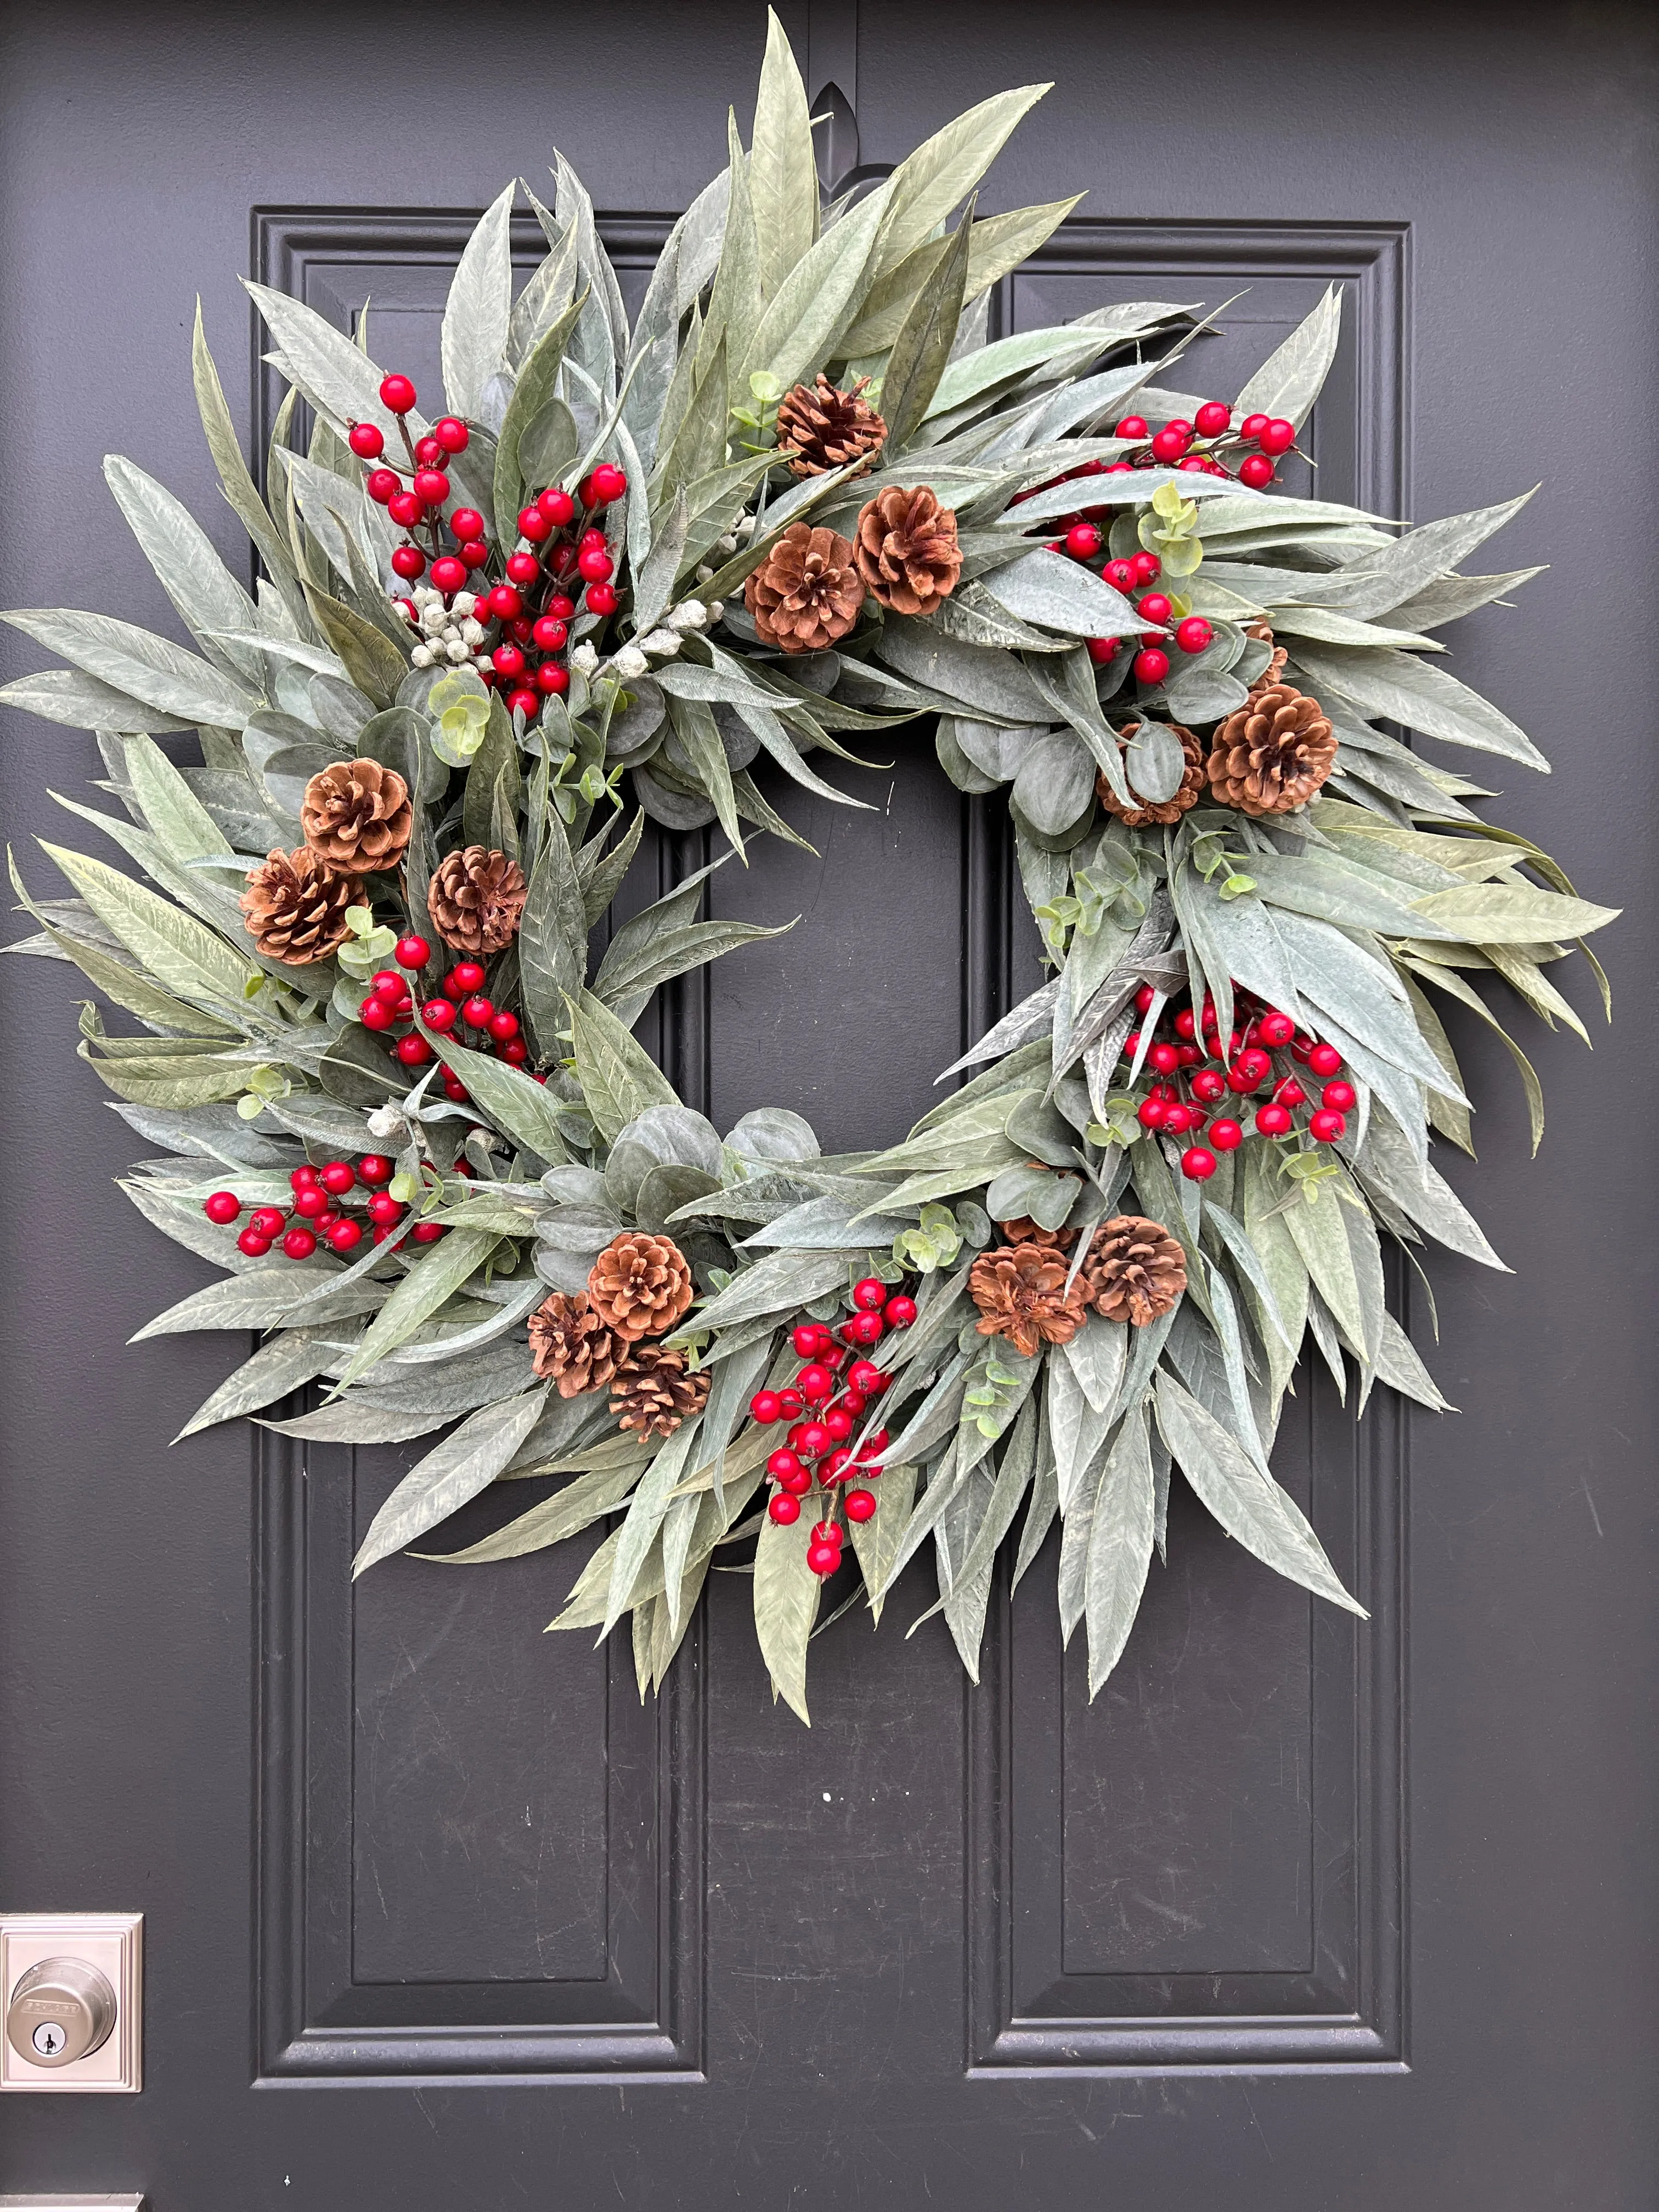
(70, 1986)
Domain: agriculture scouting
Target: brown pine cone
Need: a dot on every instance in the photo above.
(570, 1346)
(1021, 1294)
(1027, 1231)
(1273, 755)
(1166, 810)
(651, 1393)
(807, 592)
(1263, 634)
(1135, 1270)
(640, 1284)
(827, 428)
(357, 814)
(296, 906)
(907, 552)
(475, 900)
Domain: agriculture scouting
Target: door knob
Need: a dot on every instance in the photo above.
(61, 2011)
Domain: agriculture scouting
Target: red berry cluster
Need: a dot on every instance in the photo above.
(391, 1002)
(320, 1212)
(1194, 446)
(824, 1404)
(560, 553)
(1184, 1099)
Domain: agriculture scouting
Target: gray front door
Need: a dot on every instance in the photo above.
(1303, 1913)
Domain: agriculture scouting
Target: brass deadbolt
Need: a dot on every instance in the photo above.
(61, 2011)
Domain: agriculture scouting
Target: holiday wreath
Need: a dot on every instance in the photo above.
(802, 499)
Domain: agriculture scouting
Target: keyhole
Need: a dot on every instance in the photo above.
(48, 2038)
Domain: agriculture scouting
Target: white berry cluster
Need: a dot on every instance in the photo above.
(449, 633)
(631, 661)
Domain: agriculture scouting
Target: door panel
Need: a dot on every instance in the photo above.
(437, 1914)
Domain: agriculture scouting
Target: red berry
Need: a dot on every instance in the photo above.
(303, 1178)
(601, 599)
(523, 701)
(1155, 608)
(523, 567)
(763, 1406)
(411, 951)
(839, 1423)
(822, 1559)
(1119, 574)
(466, 976)
(1144, 997)
(396, 394)
(1325, 1059)
(503, 1025)
(374, 1170)
(1226, 1135)
(1102, 649)
(1340, 1097)
(456, 1093)
(1277, 438)
(477, 1012)
(596, 565)
(860, 1504)
(267, 1221)
(815, 1439)
(871, 1295)
(428, 452)
(606, 485)
(253, 1244)
(784, 1509)
(790, 1403)
(514, 1052)
(413, 1051)
(474, 554)
(346, 1236)
(1256, 471)
(223, 1207)
(1165, 1059)
(405, 510)
(782, 1464)
(809, 1337)
(1251, 1067)
(299, 1243)
(452, 434)
(561, 608)
(505, 602)
(1326, 1126)
(1147, 568)
(900, 1311)
(1172, 440)
(382, 484)
(1212, 419)
(428, 1232)
(829, 1470)
(1152, 1112)
(366, 441)
(865, 1374)
(553, 679)
(1192, 634)
(1290, 1093)
(408, 561)
(337, 1177)
(1132, 426)
(312, 1203)
(815, 1382)
(1083, 541)
(432, 488)
(384, 1211)
(1273, 1121)
(1178, 1118)
(550, 635)
(1277, 1030)
(1197, 1164)
(827, 1533)
(507, 660)
(448, 574)
(1211, 1085)
(863, 1329)
(1251, 426)
(557, 506)
(1151, 666)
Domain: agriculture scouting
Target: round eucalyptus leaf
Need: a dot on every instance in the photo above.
(1055, 788)
(1154, 762)
(675, 810)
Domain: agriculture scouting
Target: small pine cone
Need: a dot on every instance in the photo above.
(907, 552)
(640, 1284)
(1027, 1231)
(571, 1346)
(827, 428)
(1135, 1270)
(1273, 755)
(475, 900)
(1021, 1294)
(357, 816)
(651, 1394)
(1163, 811)
(296, 906)
(807, 592)
(1263, 634)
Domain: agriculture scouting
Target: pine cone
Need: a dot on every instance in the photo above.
(653, 1393)
(807, 592)
(357, 814)
(1135, 1270)
(296, 906)
(1262, 632)
(475, 900)
(828, 428)
(569, 1345)
(1021, 1294)
(1274, 754)
(1166, 810)
(907, 552)
(1027, 1231)
(640, 1284)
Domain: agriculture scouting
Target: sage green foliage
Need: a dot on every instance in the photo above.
(1353, 915)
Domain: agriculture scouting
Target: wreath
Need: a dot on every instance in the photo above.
(804, 497)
